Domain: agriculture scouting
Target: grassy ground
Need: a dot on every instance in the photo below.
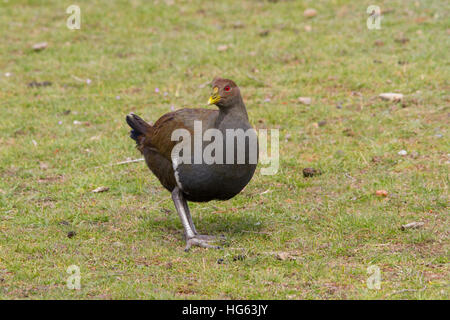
(128, 241)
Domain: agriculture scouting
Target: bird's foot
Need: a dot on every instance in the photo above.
(203, 240)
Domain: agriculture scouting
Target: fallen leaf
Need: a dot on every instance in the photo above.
(264, 33)
(222, 47)
(36, 84)
(40, 46)
(100, 189)
(309, 13)
(402, 40)
(43, 165)
(311, 172)
(284, 256)
(305, 100)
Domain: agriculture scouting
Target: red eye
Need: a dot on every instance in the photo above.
(227, 88)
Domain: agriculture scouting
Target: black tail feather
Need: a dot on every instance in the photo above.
(138, 125)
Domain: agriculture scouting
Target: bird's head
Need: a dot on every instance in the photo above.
(225, 93)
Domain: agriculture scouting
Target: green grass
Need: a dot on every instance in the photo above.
(128, 241)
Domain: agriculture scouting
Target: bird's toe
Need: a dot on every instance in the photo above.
(203, 241)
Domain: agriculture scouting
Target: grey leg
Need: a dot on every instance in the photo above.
(189, 217)
(192, 239)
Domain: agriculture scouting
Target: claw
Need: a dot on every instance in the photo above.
(201, 241)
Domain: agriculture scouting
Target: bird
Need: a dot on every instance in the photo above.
(187, 179)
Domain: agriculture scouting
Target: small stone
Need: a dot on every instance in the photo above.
(264, 33)
(43, 166)
(348, 132)
(311, 172)
(71, 234)
(322, 123)
(40, 46)
(381, 193)
(222, 47)
(239, 257)
(39, 84)
(309, 13)
(391, 96)
(100, 189)
(376, 159)
(402, 40)
(402, 153)
(238, 25)
(308, 28)
(305, 100)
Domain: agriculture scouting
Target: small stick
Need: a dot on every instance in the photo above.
(404, 290)
(122, 162)
(412, 225)
(260, 232)
(128, 161)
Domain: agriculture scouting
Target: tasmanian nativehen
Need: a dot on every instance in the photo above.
(214, 160)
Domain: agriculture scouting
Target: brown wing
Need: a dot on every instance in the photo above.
(159, 137)
(156, 146)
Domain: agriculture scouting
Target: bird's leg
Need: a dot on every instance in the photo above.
(189, 217)
(192, 238)
(204, 237)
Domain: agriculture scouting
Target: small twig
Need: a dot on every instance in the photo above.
(128, 161)
(122, 162)
(256, 79)
(412, 225)
(267, 191)
(260, 232)
(349, 176)
(404, 290)
(78, 79)
(364, 158)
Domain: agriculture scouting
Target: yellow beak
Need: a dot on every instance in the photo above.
(214, 99)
